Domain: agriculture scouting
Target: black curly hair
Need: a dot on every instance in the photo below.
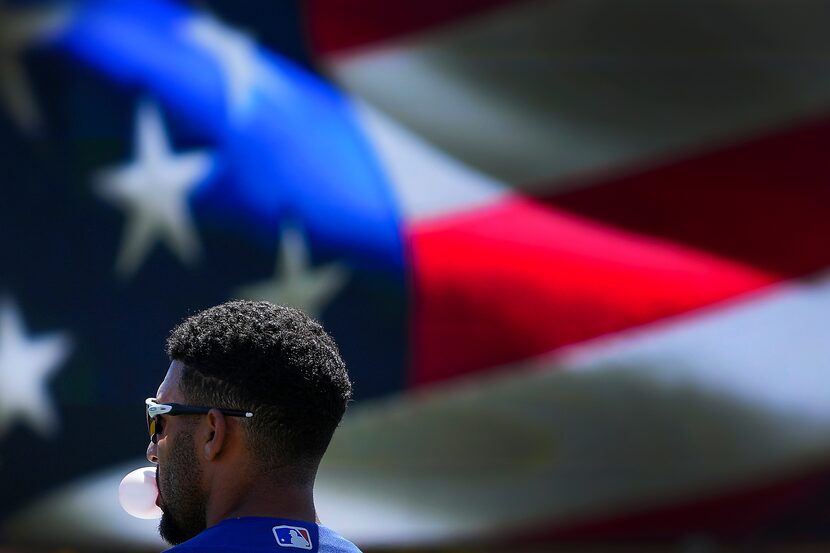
(275, 361)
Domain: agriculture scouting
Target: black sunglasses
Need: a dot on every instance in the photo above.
(154, 409)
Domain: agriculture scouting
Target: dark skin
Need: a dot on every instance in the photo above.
(232, 485)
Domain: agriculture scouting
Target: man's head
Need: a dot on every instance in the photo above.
(271, 360)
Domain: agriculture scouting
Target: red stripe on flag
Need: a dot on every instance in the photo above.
(765, 203)
(336, 25)
(518, 279)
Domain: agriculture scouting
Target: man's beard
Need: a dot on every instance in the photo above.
(181, 500)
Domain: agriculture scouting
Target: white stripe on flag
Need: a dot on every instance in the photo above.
(544, 90)
(426, 182)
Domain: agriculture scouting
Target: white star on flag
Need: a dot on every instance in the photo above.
(235, 52)
(294, 282)
(19, 29)
(154, 190)
(26, 363)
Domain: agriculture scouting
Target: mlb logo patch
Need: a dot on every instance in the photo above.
(292, 536)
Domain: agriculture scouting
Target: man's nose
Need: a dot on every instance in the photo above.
(152, 453)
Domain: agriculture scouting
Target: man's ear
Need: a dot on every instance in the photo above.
(216, 433)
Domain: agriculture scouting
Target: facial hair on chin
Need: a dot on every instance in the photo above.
(181, 499)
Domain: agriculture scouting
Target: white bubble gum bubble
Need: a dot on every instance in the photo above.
(138, 492)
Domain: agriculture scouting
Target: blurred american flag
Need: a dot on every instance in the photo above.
(574, 253)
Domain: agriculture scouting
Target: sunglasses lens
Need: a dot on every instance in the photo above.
(153, 427)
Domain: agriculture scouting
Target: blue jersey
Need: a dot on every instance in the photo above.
(274, 535)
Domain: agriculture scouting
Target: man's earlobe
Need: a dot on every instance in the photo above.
(215, 439)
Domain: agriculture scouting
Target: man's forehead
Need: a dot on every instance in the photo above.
(168, 391)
